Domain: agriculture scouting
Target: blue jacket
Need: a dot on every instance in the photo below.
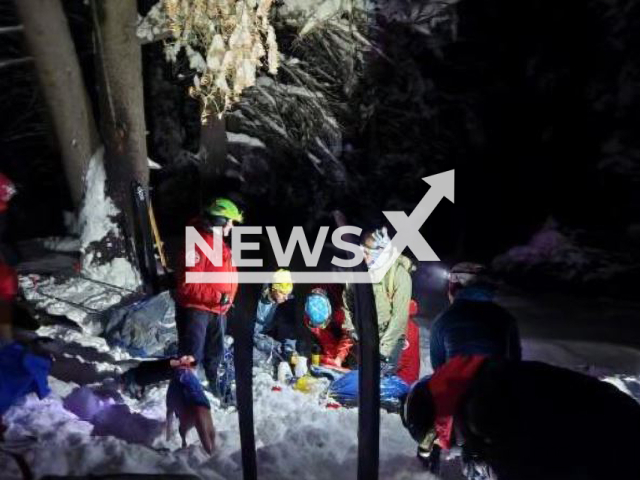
(474, 325)
(266, 322)
(21, 373)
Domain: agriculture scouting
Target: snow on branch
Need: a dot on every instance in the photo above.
(226, 43)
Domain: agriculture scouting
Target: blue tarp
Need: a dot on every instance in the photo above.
(21, 373)
(145, 329)
(345, 388)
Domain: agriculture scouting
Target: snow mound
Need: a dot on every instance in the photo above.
(627, 384)
(298, 437)
(76, 298)
(97, 223)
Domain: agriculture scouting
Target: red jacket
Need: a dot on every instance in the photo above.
(7, 191)
(207, 296)
(335, 341)
(448, 385)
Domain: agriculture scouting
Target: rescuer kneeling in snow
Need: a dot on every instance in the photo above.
(527, 420)
(325, 318)
(275, 317)
(399, 334)
(472, 325)
(201, 307)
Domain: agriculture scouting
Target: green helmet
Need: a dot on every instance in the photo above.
(223, 207)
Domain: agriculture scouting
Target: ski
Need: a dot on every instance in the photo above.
(144, 238)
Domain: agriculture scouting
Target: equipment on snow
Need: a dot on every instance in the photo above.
(156, 236)
(301, 368)
(144, 238)
(284, 372)
(346, 390)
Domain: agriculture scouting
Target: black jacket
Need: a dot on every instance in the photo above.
(474, 325)
(530, 420)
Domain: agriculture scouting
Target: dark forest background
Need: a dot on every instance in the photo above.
(535, 103)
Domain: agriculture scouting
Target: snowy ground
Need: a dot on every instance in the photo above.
(298, 436)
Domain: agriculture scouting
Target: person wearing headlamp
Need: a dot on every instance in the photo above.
(398, 333)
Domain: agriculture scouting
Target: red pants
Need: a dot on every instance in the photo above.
(409, 361)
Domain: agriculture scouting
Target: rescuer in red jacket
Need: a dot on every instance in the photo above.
(324, 317)
(200, 306)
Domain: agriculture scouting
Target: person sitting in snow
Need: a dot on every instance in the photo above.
(472, 325)
(201, 307)
(325, 318)
(275, 316)
(527, 420)
(398, 332)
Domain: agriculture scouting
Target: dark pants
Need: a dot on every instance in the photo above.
(201, 334)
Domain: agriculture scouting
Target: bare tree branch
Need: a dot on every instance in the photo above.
(156, 38)
(14, 61)
(7, 30)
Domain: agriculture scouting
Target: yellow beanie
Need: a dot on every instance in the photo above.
(282, 281)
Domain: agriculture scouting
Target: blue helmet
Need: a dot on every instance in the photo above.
(318, 309)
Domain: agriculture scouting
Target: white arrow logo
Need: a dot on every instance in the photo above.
(408, 227)
(408, 235)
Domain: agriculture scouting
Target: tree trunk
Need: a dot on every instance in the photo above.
(212, 152)
(47, 34)
(122, 122)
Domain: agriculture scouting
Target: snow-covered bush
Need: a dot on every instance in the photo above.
(559, 256)
(225, 42)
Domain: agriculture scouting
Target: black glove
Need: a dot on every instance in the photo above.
(430, 458)
(387, 367)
